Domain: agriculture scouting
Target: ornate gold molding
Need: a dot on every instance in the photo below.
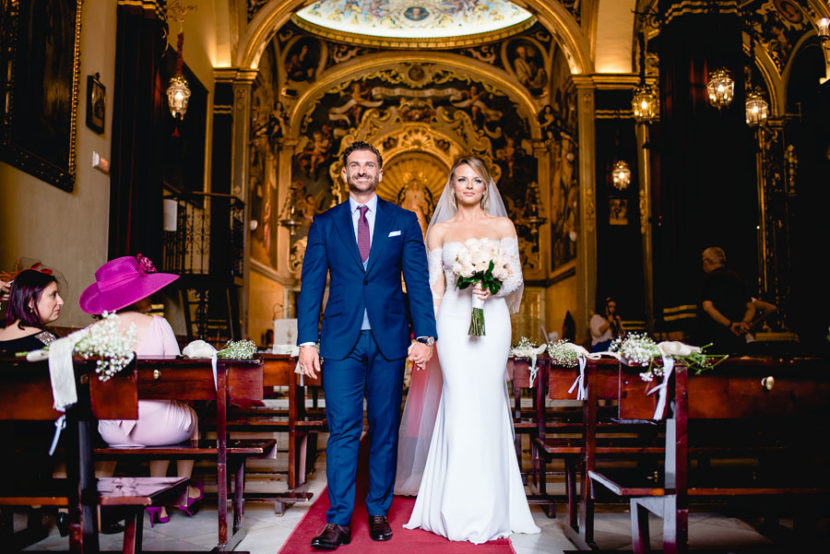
(553, 16)
(391, 61)
(390, 42)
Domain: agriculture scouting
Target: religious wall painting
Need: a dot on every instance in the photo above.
(302, 59)
(564, 201)
(527, 62)
(263, 207)
(518, 185)
(40, 57)
(560, 114)
(779, 25)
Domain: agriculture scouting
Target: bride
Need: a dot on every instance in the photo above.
(471, 488)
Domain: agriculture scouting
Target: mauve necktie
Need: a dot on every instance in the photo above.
(363, 243)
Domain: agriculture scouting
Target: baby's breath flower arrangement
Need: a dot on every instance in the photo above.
(525, 348)
(113, 347)
(238, 350)
(639, 348)
(563, 354)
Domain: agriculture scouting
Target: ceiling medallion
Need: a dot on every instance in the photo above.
(413, 23)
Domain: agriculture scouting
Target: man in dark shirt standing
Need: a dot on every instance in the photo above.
(726, 308)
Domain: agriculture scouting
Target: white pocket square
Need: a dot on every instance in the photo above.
(395, 234)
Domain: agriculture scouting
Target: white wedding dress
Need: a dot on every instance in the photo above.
(471, 489)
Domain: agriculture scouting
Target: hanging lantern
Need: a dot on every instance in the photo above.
(757, 109)
(721, 88)
(644, 104)
(178, 93)
(621, 175)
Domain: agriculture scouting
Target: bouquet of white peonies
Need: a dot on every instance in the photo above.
(480, 261)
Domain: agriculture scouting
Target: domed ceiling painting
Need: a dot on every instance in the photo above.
(414, 19)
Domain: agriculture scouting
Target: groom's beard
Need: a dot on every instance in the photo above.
(370, 184)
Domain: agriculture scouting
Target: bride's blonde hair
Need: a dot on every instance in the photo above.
(480, 169)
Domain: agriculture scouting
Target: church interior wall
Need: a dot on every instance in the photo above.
(67, 231)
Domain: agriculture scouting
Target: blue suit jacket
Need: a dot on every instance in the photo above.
(332, 249)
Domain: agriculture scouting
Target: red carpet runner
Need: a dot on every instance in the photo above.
(413, 541)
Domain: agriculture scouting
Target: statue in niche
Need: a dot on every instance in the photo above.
(414, 197)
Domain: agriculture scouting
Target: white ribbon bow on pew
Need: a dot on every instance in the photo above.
(201, 349)
(669, 349)
(582, 356)
(531, 353)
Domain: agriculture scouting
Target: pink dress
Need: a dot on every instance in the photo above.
(160, 422)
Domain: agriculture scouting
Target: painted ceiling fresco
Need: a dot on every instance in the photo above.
(414, 18)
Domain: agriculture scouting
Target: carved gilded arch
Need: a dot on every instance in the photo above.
(486, 73)
(551, 15)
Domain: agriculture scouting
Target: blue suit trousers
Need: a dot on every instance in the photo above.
(364, 372)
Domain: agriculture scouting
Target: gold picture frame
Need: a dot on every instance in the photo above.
(40, 56)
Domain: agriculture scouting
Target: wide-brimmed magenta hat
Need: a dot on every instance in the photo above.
(121, 282)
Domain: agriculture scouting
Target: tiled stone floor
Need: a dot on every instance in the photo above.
(267, 532)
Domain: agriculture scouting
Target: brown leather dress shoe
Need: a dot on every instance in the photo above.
(332, 536)
(379, 528)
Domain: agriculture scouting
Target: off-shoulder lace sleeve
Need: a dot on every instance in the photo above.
(512, 287)
(437, 283)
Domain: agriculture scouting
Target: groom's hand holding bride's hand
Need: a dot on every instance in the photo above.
(309, 360)
(420, 354)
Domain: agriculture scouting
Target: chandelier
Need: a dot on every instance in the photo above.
(721, 88)
(757, 109)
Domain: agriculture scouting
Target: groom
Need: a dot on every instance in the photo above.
(364, 245)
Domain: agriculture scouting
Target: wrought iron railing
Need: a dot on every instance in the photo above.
(204, 234)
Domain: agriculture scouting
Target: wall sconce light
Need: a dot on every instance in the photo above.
(757, 109)
(621, 175)
(721, 88)
(178, 92)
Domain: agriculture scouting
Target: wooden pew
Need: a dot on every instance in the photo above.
(238, 381)
(581, 439)
(301, 425)
(524, 421)
(770, 411)
(26, 396)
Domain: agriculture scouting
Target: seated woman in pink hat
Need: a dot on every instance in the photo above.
(124, 285)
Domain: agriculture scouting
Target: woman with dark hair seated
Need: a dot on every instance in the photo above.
(34, 301)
